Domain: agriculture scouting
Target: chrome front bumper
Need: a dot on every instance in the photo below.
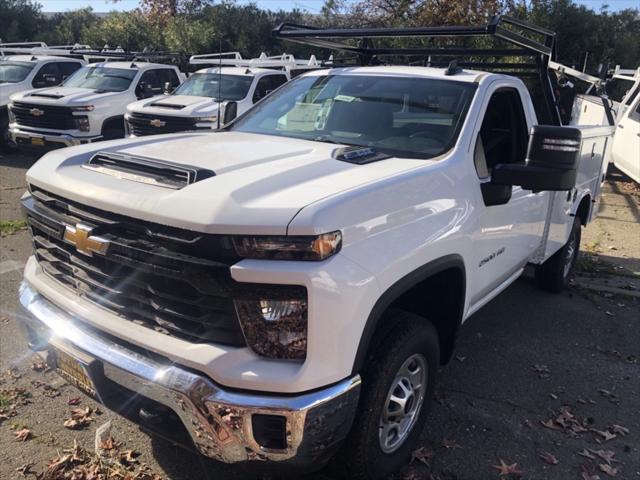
(22, 137)
(219, 422)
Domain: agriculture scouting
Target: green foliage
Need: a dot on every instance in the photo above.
(198, 26)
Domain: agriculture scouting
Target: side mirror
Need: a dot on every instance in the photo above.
(167, 88)
(552, 161)
(229, 112)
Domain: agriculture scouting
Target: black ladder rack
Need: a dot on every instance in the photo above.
(536, 44)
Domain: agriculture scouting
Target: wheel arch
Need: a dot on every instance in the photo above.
(115, 121)
(447, 275)
(583, 211)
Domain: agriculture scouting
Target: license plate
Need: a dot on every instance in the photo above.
(74, 371)
(37, 141)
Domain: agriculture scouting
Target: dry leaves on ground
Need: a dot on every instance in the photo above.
(422, 454)
(505, 469)
(23, 435)
(80, 418)
(548, 458)
(78, 464)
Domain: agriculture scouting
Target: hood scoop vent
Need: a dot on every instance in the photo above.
(146, 170)
(47, 95)
(167, 105)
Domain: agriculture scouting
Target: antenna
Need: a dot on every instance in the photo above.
(219, 79)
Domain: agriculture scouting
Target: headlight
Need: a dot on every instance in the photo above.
(82, 122)
(289, 248)
(83, 108)
(275, 328)
(207, 119)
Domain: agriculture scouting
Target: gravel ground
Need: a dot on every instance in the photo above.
(571, 361)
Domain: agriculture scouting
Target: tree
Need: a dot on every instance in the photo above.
(20, 20)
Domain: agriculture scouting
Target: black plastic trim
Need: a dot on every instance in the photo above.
(396, 290)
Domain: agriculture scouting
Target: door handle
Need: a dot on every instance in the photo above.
(620, 125)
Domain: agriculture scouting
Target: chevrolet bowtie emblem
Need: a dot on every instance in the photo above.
(156, 122)
(36, 112)
(80, 237)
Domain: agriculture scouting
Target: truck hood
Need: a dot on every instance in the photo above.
(260, 183)
(65, 96)
(178, 105)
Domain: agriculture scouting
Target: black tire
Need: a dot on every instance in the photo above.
(363, 456)
(554, 274)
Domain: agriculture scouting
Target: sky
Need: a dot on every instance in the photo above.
(312, 6)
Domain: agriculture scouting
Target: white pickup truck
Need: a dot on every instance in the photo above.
(89, 106)
(288, 287)
(213, 96)
(26, 72)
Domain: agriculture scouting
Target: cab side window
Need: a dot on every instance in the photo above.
(503, 136)
(635, 115)
(263, 86)
(277, 80)
(149, 85)
(68, 68)
(49, 75)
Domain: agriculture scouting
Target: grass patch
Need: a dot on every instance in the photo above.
(8, 227)
(5, 401)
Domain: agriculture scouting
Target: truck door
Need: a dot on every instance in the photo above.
(509, 229)
(626, 141)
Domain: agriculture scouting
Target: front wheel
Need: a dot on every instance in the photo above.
(553, 275)
(397, 387)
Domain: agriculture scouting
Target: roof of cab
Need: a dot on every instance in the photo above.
(462, 75)
(138, 65)
(248, 71)
(38, 58)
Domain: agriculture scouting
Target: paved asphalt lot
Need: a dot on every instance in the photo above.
(524, 359)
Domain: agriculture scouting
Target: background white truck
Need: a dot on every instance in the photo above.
(231, 85)
(26, 72)
(90, 106)
(624, 114)
(288, 287)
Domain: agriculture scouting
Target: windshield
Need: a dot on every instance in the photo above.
(102, 78)
(229, 87)
(408, 117)
(14, 72)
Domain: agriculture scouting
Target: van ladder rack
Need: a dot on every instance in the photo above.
(526, 40)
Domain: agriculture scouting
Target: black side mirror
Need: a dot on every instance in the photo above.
(230, 111)
(552, 161)
(167, 88)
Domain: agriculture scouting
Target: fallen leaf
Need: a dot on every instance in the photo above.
(74, 401)
(422, 454)
(608, 469)
(588, 473)
(605, 434)
(549, 424)
(606, 455)
(619, 429)
(39, 365)
(549, 458)
(23, 435)
(505, 469)
(461, 358)
(25, 469)
(586, 453)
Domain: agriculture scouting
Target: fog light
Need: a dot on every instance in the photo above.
(275, 328)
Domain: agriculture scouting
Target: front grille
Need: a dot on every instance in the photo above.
(140, 124)
(58, 118)
(174, 281)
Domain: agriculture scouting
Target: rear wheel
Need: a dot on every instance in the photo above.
(397, 386)
(553, 275)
